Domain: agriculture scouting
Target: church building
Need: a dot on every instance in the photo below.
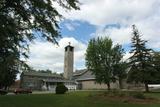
(80, 79)
(84, 79)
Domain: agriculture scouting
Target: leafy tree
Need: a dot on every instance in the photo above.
(101, 56)
(120, 72)
(156, 64)
(119, 66)
(19, 21)
(45, 71)
(141, 61)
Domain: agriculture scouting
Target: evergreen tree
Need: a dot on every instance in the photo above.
(141, 61)
(19, 21)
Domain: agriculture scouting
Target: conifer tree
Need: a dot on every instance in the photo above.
(141, 61)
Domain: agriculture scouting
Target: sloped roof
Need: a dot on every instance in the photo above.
(79, 72)
(69, 46)
(85, 75)
(59, 80)
(41, 74)
(79, 75)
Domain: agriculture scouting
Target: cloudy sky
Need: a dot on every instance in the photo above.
(112, 18)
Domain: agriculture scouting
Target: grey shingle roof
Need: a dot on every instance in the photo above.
(78, 75)
(86, 75)
(58, 80)
(41, 74)
(79, 72)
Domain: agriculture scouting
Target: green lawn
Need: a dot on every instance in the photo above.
(72, 99)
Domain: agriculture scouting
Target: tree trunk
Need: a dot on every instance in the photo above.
(120, 84)
(108, 85)
(146, 87)
(5, 88)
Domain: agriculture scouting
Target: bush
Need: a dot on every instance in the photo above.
(138, 95)
(3, 92)
(61, 89)
(115, 93)
(133, 94)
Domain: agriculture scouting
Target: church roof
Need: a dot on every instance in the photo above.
(41, 74)
(78, 75)
(83, 75)
(59, 80)
(69, 46)
(79, 72)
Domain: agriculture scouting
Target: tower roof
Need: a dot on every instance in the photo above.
(69, 45)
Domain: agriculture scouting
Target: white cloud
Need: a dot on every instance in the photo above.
(127, 56)
(71, 26)
(45, 55)
(112, 11)
(121, 36)
(100, 13)
(144, 13)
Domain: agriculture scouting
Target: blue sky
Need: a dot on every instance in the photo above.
(112, 18)
(79, 30)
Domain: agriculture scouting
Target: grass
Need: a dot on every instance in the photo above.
(72, 99)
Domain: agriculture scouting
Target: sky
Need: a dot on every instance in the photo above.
(112, 18)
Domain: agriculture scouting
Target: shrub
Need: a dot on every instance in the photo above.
(115, 93)
(3, 92)
(138, 95)
(61, 89)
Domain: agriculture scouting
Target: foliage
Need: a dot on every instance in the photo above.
(156, 60)
(45, 71)
(101, 56)
(119, 66)
(61, 89)
(118, 93)
(141, 61)
(3, 92)
(115, 93)
(156, 64)
(19, 21)
(138, 95)
(120, 71)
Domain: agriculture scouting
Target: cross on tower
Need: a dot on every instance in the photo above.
(69, 43)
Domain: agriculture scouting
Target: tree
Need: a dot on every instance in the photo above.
(120, 72)
(141, 61)
(45, 71)
(119, 66)
(101, 56)
(156, 64)
(19, 21)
